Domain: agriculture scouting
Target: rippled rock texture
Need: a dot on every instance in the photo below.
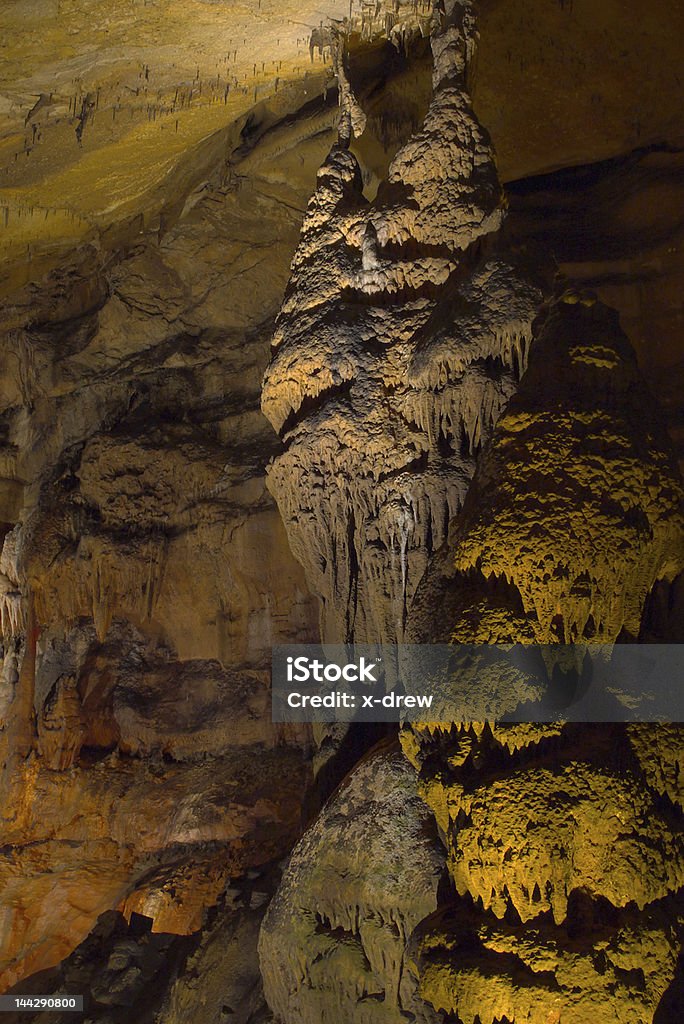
(144, 576)
(562, 846)
(159, 158)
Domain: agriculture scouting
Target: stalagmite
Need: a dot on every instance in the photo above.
(359, 881)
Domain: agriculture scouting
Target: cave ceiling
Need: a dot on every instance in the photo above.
(116, 110)
(118, 117)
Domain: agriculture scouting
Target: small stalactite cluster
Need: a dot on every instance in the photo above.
(578, 456)
(103, 580)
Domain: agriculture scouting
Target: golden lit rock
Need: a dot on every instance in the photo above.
(603, 966)
(440, 478)
(572, 520)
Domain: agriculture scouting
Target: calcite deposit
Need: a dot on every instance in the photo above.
(140, 768)
(403, 331)
(576, 501)
(575, 512)
(360, 880)
(606, 966)
(572, 519)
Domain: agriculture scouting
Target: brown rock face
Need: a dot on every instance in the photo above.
(552, 79)
(401, 336)
(145, 574)
(159, 157)
(83, 841)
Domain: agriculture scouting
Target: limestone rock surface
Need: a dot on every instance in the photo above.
(358, 882)
(145, 575)
(611, 967)
(159, 158)
(537, 819)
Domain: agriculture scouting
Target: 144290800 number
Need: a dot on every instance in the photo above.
(41, 1003)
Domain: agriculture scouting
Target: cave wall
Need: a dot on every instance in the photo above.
(141, 767)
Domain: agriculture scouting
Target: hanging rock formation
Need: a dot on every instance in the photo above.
(145, 570)
(582, 470)
(400, 341)
(402, 333)
(599, 965)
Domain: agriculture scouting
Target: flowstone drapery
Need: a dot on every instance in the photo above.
(564, 841)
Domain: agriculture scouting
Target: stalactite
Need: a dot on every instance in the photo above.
(13, 618)
(397, 338)
(61, 727)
